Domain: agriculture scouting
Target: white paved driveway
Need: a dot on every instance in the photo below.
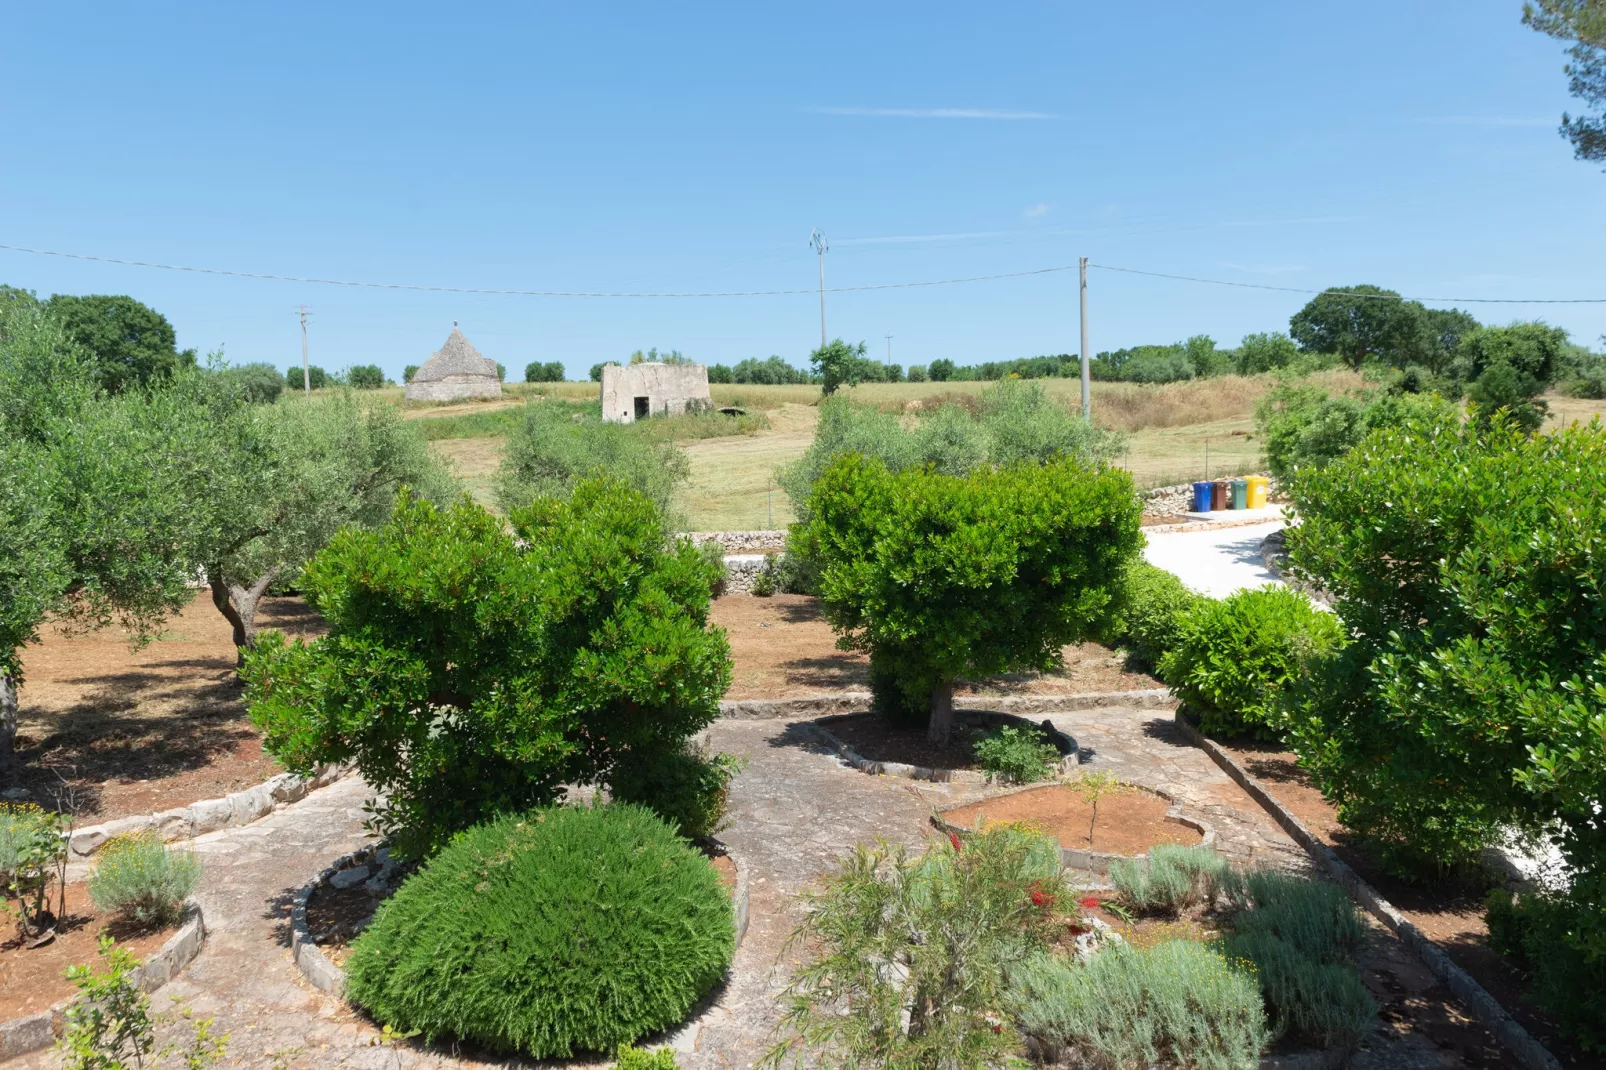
(1216, 563)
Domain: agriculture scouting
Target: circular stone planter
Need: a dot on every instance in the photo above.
(327, 977)
(1063, 742)
(35, 1032)
(1099, 861)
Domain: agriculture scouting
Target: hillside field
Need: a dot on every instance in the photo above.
(1174, 433)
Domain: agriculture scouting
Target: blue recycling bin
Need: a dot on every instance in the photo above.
(1201, 497)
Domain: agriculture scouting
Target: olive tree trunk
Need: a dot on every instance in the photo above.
(8, 719)
(239, 607)
(942, 713)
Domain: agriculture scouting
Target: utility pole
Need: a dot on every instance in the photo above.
(1087, 370)
(820, 245)
(889, 349)
(306, 376)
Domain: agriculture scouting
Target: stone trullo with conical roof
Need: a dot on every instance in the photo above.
(455, 371)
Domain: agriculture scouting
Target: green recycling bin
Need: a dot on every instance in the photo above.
(1240, 494)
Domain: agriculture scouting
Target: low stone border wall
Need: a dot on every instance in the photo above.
(325, 976)
(859, 701)
(741, 541)
(820, 731)
(208, 815)
(1478, 1002)
(35, 1032)
(1099, 861)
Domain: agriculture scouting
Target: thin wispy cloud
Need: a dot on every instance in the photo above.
(1037, 210)
(1484, 120)
(930, 113)
(1307, 220)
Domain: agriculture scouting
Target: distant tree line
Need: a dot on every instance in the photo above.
(357, 376)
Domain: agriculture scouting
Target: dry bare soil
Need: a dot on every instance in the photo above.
(132, 730)
(783, 648)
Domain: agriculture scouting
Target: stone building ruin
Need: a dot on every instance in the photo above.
(456, 371)
(632, 392)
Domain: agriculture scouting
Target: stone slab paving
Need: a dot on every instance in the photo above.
(795, 809)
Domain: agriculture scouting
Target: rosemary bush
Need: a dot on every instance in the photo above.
(551, 933)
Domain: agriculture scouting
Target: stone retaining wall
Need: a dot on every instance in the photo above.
(1069, 751)
(1100, 861)
(1167, 501)
(741, 570)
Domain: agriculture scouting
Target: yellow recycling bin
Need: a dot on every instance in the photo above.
(1257, 492)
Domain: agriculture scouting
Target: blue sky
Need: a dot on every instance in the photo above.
(640, 147)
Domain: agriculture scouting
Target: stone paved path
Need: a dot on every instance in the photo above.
(794, 810)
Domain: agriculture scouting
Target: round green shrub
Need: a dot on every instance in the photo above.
(1234, 656)
(1147, 613)
(554, 932)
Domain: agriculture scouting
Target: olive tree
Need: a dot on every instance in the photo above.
(288, 477)
(552, 449)
(33, 569)
(944, 577)
(90, 530)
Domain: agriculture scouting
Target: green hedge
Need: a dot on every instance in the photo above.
(689, 788)
(1467, 567)
(1146, 616)
(556, 932)
(1234, 656)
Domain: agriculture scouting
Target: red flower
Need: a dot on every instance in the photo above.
(997, 1028)
(1090, 903)
(1042, 899)
(953, 838)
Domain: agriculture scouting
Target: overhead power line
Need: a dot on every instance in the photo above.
(425, 288)
(1377, 297)
(526, 293)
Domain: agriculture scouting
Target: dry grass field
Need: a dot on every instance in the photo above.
(1174, 433)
